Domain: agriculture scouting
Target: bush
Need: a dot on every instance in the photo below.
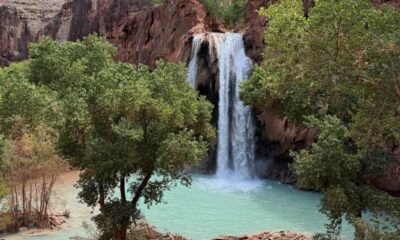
(228, 12)
(158, 2)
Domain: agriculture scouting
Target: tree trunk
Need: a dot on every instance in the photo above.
(102, 196)
(122, 189)
(120, 233)
(360, 230)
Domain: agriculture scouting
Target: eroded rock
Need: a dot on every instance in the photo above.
(142, 32)
(268, 236)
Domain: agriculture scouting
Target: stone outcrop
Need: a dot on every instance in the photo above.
(14, 36)
(162, 32)
(390, 182)
(256, 24)
(394, 3)
(254, 32)
(20, 22)
(268, 236)
(277, 138)
(142, 32)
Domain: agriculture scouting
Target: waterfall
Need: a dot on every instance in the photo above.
(235, 150)
(192, 69)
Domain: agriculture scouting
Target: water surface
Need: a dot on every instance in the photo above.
(212, 207)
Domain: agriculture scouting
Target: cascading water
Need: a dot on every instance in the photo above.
(193, 63)
(235, 152)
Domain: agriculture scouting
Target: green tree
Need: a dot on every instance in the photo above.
(24, 109)
(337, 71)
(228, 11)
(4, 218)
(157, 2)
(131, 130)
(23, 102)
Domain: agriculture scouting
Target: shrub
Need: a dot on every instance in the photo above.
(228, 12)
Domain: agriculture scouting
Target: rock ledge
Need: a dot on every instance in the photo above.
(268, 236)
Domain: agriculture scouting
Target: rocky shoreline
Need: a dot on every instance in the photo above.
(148, 232)
(269, 236)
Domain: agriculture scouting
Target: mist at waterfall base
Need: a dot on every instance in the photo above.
(232, 202)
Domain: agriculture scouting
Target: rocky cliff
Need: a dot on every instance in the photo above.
(142, 32)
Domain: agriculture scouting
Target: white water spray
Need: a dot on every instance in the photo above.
(192, 69)
(235, 153)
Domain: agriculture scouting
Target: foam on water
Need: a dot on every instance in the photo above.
(230, 183)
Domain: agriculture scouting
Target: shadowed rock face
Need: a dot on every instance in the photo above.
(20, 22)
(14, 36)
(390, 182)
(394, 3)
(254, 33)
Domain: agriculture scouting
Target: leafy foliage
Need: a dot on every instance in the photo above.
(132, 130)
(31, 167)
(158, 2)
(228, 11)
(336, 71)
(4, 219)
(20, 100)
(30, 163)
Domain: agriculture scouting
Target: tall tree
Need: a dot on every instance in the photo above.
(337, 71)
(30, 161)
(133, 131)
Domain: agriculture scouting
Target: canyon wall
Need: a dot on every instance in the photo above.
(142, 32)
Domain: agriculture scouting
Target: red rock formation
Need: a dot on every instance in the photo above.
(268, 236)
(254, 33)
(158, 32)
(14, 36)
(391, 180)
(142, 32)
(394, 3)
(280, 137)
(20, 22)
